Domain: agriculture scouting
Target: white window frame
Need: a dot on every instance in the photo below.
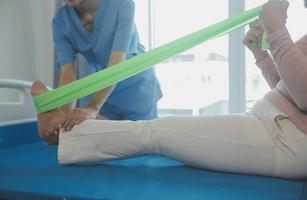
(237, 76)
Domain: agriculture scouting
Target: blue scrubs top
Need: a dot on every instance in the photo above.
(114, 30)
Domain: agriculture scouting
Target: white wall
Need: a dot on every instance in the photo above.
(26, 50)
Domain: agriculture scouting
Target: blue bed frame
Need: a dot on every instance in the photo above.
(29, 170)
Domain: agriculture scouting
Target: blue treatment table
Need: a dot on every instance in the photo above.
(29, 170)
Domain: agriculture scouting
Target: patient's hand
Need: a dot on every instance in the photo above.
(274, 15)
(253, 40)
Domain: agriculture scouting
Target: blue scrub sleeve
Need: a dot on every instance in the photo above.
(124, 27)
(64, 50)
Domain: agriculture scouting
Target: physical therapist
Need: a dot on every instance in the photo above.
(104, 32)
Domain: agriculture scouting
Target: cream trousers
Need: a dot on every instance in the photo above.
(262, 142)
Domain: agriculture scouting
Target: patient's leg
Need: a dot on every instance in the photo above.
(98, 140)
(234, 143)
(48, 122)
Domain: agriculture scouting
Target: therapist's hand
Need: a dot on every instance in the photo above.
(49, 124)
(274, 15)
(253, 39)
(77, 116)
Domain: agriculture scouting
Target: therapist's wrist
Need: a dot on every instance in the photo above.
(93, 107)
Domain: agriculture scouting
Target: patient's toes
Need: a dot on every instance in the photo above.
(38, 88)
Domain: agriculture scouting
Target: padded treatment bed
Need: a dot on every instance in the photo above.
(29, 170)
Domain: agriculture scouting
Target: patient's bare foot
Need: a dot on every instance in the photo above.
(49, 123)
(38, 88)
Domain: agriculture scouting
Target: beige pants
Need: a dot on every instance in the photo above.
(260, 142)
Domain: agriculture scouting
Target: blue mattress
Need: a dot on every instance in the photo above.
(29, 170)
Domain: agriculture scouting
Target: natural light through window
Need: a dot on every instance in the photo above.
(195, 82)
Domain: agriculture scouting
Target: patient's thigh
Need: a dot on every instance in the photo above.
(232, 143)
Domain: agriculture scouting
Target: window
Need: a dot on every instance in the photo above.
(195, 82)
(142, 20)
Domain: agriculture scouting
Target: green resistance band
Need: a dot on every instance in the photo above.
(121, 71)
(265, 43)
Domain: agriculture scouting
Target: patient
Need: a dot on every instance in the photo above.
(271, 140)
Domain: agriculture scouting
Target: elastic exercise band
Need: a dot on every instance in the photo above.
(112, 75)
(265, 43)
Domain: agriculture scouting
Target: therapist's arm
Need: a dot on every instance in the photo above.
(67, 75)
(101, 96)
(91, 111)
